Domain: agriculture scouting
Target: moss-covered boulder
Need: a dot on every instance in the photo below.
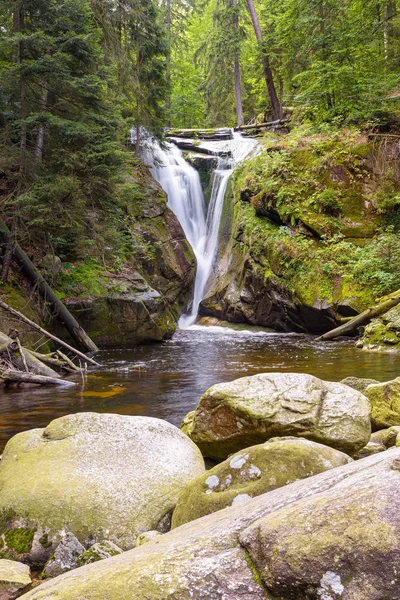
(252, 410)
(101, 551)
(14, 576)
(383, 333)
(385, 403)
(359, 384)
(98, 476)
(341, 543)
(343, 527)
(254, 471)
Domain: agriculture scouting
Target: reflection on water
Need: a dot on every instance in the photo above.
(166, 380)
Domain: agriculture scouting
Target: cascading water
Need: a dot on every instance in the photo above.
(201, 225)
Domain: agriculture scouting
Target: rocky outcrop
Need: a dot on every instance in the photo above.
(383, 334)
(251, 410)
(385, 403)
(97, 476)
(333, 536)
(358, 383)
(143, 303)
(252, 472)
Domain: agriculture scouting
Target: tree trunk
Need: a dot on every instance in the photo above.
(40, 135)
(168, 73)
(59, 310)
(269, 80)
(21, 377)
(236, 68)
(364, 318)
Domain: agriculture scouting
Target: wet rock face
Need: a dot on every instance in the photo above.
(258, 301)
(97, 476)
(254, 471)
(251, 410)
(334, 536)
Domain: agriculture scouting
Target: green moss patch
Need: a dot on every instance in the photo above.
(19, 540)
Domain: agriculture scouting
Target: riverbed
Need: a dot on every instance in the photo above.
(166, 380)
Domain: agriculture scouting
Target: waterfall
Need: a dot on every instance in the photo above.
(181, 182)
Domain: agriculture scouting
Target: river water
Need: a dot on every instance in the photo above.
(166, 380)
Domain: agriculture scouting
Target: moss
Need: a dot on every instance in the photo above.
(253, 569)
(90, 556)
(19, 540)
(44, 541)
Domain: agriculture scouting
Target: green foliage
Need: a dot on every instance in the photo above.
(19, 540)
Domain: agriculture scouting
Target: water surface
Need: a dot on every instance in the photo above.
(166, 380)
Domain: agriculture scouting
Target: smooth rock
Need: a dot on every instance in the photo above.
(385, 404)
(65, 557)
(359, 384)
(369, 449)
(100, 551)
(14, 576)
(251, 410)
(387, 437)
(345, 521)
(146, 537)
(254, 471)
(98, 476)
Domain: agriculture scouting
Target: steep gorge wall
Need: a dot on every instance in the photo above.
(306, 243)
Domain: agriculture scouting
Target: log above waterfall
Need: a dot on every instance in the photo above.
(224, 133)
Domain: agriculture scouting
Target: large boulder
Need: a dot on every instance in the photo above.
(385, 404)
(338, 530)
(14, 576)
(252, 472)
(98, 476)
(251, 410)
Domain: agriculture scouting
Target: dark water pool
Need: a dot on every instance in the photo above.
(166, 380)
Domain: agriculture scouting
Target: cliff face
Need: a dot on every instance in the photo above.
(313, 223)
(143, 300)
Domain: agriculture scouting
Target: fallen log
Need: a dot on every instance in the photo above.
(34, 325)
(49, 359)
(190, 147)
(363, 318)
(35, 365)
(59, 309)
(224, 133)
(10, 376)
(262, 125)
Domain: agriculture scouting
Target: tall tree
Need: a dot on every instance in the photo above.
(236, 67)
(276, 105)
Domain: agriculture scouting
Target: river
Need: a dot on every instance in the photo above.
(166, 380)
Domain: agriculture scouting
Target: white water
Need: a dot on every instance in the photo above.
(181, 182)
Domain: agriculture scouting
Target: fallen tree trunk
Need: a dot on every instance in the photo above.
(34, 325)
(193, 148)
(10, 376)
(49, 359)
(34, 364)
(364, 318)
(224, 133)
(59, 309)
(261, 125)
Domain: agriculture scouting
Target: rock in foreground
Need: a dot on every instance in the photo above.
(14, 576)
(343, 534)
(254, 471)
(98, 476)
(385, 403)
(251, 410)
